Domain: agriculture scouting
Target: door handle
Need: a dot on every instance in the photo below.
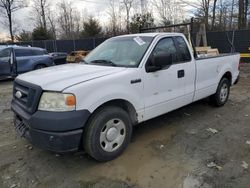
(135, 81)
(180, 73)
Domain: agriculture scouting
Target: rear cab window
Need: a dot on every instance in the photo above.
(184, 54)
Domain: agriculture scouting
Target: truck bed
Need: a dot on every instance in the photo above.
(209, 71)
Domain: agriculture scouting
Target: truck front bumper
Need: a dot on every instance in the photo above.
(54, 131)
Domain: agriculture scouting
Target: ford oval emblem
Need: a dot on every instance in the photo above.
(18, 94)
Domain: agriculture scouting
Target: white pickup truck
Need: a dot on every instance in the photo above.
(124, 81)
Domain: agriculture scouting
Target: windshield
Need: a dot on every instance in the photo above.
(120, 51)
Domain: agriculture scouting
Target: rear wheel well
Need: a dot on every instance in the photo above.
(228, 76)
(40, 64)
(125, 105)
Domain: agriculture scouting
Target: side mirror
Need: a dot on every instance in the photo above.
(159, 61)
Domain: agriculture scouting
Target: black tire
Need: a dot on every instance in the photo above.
(40, 66)
(96, 128)
(217, 99)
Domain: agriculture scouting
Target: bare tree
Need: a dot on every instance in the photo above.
(52, 23)
(115, 15)
(144, 6)
(203, 10)
(232, 14)
(44, 16)
(43, 5)
(214, 12)
(24, 36)
(163, 8)
(242, 14)
(41, 8)
(170, 11)
(223, 15)
(205, 6)
(8, 7)
(127, 5)
(68, 21)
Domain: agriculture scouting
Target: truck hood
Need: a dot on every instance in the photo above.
(60, 77)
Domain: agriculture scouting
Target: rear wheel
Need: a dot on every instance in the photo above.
(222, 93)
(107, 133)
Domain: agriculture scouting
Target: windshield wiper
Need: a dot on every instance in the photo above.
(104, 61)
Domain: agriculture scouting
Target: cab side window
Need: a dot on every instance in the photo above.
(183, 49)
(23, 52)
(38, 52)
(166, 46)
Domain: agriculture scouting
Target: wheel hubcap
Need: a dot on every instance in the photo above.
(223, 93)
(112, 135)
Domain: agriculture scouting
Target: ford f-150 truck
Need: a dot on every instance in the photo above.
(126, 80)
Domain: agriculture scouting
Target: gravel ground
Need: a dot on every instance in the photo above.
(176, 150)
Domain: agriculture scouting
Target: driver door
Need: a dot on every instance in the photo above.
(164, 90)
(5, 66)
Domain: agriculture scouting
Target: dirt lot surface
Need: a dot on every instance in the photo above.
(175, 150)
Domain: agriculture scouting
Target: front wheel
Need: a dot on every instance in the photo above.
(222, 93)
(108, 133)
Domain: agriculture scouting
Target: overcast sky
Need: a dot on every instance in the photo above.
(23, 16)
(96, 8)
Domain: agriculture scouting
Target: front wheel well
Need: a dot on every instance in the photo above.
(125, 105)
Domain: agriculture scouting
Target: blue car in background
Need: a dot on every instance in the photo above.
(15, 60)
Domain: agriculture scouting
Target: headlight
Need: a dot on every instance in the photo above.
(59, 102)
